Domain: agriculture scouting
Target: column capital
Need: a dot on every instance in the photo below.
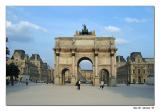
(73, 50)
(112, 51)
(57, 54)
(96, 51)
(57, 51)
(73, 53)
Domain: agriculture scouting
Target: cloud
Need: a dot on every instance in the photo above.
(134, 20)
(121, 41)
(22, 31)
(8, 24)
(112, 29)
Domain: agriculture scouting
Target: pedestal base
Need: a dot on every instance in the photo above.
(96, 81)
(73, 80)
(56, 81)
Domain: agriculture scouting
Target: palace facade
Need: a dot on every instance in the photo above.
(136, 69)
(30, 67)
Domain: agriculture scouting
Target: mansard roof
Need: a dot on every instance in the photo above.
(20, 52)
(34, 56)
(134, 54)
(120, 59)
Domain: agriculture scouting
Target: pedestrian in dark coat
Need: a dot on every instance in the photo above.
(102, 85)
(26, 82)
(79, 84)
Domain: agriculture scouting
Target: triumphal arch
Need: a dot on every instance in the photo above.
(70, 51)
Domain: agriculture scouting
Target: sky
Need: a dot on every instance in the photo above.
(34, 28)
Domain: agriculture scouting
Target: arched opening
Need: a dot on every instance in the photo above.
(85, 70)
(104, 76)
(66, 77)
(139, 79)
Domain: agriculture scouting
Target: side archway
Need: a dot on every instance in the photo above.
(66, 77)
(104, 76)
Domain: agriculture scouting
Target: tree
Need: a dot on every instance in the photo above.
(12, 71)
(7, 50)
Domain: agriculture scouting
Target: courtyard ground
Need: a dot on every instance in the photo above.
(49, 94)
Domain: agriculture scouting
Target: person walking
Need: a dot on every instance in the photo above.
(79, 84)
(102, 85)
(26, 82)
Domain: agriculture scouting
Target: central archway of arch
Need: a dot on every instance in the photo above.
(85, 71)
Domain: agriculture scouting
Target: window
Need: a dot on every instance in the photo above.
(139, 71)
(129, 71)
(144, 71)
(133, 71)
(133, 59)
(134, 81)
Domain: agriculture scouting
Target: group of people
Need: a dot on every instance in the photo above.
(78, 84)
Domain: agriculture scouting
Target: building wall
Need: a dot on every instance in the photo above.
(35, 68)
(122, 70)
(136, 69)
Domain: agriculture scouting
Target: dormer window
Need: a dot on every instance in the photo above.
(133, 59)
